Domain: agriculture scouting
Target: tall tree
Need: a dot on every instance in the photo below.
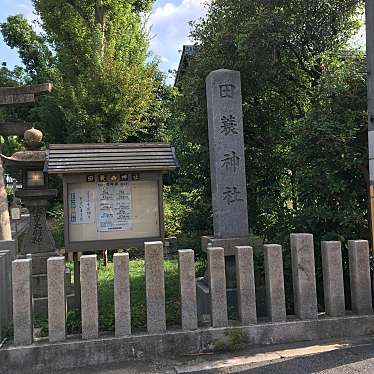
(280, 48)
(95, 52)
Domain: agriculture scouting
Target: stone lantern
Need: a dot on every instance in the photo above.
(35, 194)
(36, 197)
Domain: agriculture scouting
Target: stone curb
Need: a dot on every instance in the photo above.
(43, 357)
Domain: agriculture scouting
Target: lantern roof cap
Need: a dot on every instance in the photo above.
(25, 159)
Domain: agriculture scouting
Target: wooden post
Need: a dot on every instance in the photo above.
(77, 281)
(105, 258)
(5, 230)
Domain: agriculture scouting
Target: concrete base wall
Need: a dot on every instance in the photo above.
(43, 357)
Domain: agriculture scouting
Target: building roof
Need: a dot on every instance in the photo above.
(97, 158)
(188, 51)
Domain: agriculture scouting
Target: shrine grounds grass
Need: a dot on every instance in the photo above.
(138, 303)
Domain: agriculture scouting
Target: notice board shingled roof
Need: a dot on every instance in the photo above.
(96, 158)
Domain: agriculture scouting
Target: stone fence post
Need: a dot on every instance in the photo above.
(22, 302)
(359, 273)
(56, 298)
(5, 297)
(122, 307)
(187, 289)
(333, 282)
(275, 295)
(245, 283)
(303, 273)
(217, 287)
(89, 302)
(155, 287)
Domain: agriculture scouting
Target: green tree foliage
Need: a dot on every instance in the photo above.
(291, 58)
(95, 54)
(32, 48)
(329, 153)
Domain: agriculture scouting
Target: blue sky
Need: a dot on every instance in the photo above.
(168, 24)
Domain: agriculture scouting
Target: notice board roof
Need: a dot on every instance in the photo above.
(97, 158)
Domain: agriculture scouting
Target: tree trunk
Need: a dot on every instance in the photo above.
(5, 230)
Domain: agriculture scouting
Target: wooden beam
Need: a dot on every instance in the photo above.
(14, 128)
(26, 90)
(17, 99)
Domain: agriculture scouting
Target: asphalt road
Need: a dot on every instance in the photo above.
(347, 361)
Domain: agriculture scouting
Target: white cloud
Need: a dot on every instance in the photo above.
(35, 22)
(169, 25)
(27, 9)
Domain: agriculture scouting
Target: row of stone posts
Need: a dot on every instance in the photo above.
(304, 285)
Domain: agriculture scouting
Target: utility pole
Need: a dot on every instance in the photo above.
(369, 9)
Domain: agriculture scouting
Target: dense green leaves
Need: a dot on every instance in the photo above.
(304, 112)
(95, 53)
(32, 48)
(304, 102)
(329, 153)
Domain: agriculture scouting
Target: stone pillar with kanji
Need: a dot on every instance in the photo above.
(228, 178)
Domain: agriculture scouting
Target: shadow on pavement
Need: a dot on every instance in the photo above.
(351, 360)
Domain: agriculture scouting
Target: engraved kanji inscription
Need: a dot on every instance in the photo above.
(37, 226)
(230, 161)
(229, 125)
(232, 195)
(226, 90)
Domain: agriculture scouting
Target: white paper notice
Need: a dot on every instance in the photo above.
(81, 207)
(114, 207)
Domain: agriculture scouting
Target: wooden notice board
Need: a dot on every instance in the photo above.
(105, 212)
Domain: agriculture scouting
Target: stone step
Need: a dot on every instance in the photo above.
(41, 305)
(39, 262)
(40, 285)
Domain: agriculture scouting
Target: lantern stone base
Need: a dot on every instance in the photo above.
(40, 293)
(40, 287)
(39, 262)
(41, 305)
(202, 284)
(227, 244)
